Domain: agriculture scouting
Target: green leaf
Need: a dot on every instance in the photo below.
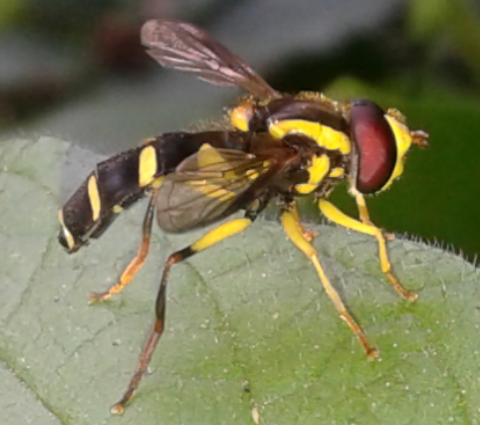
(249, 327)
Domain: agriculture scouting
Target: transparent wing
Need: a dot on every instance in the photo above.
(187, 48)
(207, 186)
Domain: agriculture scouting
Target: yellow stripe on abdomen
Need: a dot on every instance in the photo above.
(147, 166)
(94, 197)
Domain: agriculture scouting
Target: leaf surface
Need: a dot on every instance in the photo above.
(249, 332)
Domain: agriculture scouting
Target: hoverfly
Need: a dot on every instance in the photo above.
(279, 147)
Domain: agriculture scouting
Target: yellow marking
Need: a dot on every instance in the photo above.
(334, 214)
(158, 182)
(241, 115)
(208, 158)
(215, 192)
(211, 190)
(68, 236)
(94, 197)
(337, 172)
(222, 195)
(147, 166)
(117, 209)
(319, 168)
(293, 230)
(305, 188)
(252, 174)
(403, 140)
(205, 146)
(325, 136)
(317, 171)
(221, 232)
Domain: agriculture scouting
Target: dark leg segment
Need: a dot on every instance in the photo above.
(156, 332)
(214, 236)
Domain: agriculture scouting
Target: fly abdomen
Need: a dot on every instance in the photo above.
(119, 181)
(114, 185)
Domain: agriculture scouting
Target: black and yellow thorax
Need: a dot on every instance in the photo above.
(321, 132)
(357, 140)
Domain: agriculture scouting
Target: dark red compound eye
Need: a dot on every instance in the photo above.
(376, 150)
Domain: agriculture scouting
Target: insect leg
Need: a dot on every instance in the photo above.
(309, 235)
(362, 208)
(335, 215)
(293, 229)
(211, 238)
(137, 263)
(365, 216)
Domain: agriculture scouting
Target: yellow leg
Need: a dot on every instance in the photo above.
(137, 263)
(309, 235)
(211, 238)
(292, 227)
(335, 215)
(362, 208)
(365, 216)
(221, 232)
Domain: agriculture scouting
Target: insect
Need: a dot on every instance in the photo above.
(278, 147)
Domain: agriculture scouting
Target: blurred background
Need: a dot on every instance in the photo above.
(75, 70)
